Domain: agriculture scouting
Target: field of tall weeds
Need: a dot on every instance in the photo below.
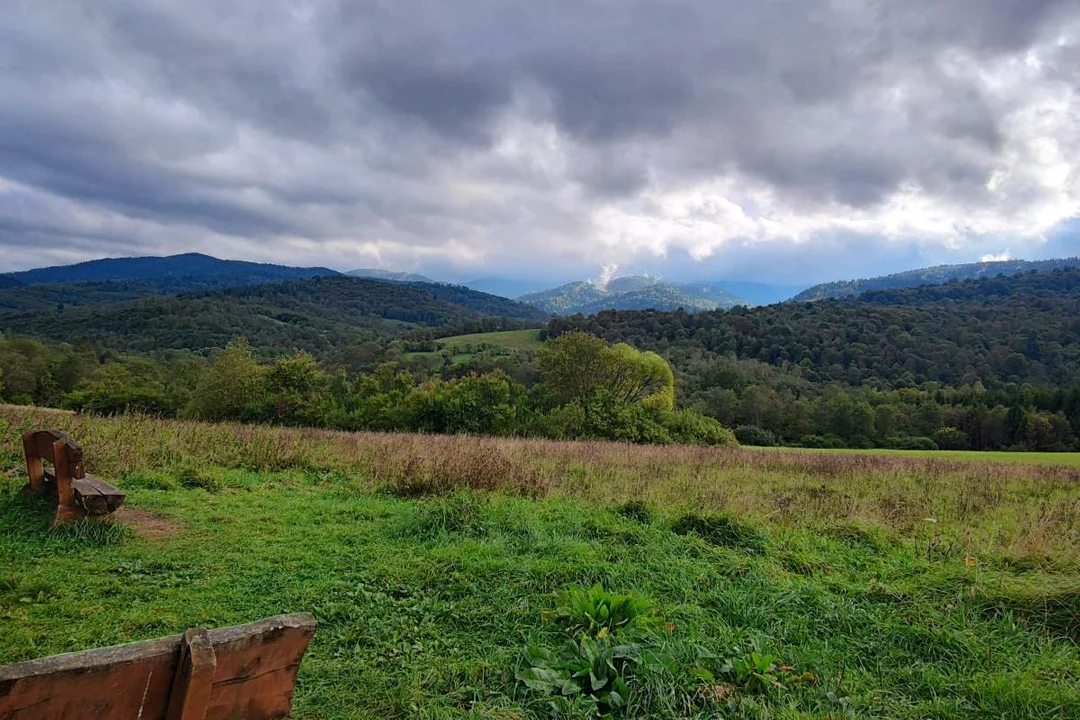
(1021, 514)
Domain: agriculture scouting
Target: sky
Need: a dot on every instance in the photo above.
(786, 141)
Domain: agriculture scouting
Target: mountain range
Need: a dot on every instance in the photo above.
(936, 275)
(634, 292)
(377, 274)
(173, 273)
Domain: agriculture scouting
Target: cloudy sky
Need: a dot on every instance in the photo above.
(776, 140)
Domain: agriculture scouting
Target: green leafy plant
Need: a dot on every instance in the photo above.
(596, 612)
(586, 674)
(753, 672)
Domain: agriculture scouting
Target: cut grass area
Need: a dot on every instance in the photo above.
(433, 563)
(1071, 459)
(510, 339)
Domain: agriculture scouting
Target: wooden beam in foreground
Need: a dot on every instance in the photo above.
(247, 671)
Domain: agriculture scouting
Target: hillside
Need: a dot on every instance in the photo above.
(983, 364)
(631, 293)
(170, 274)
(931, 276)
(997, 330)
(377, 274)
(313, 315)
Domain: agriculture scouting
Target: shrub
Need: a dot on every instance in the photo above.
(689, 427)
(753, 435)
(908, 442)
(949, 438)
(821, 441)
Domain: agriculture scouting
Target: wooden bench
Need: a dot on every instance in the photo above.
(77, 494)
(246, 671)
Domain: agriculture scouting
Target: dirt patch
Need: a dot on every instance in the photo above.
(147, 524)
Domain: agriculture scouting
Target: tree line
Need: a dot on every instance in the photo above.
(982, 365)
(588, 389)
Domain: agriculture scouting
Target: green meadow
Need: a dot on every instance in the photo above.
(509, 339)
(712, 583)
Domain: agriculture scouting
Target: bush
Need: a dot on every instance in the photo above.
(830, 442)
(753, 435)
(689, 427)
(949, 438)
(909, 442)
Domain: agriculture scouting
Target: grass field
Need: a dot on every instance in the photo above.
(861, 586)
(1070, 459)
(510, 339)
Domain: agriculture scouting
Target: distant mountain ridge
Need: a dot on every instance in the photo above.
(170, 273)
(633, 292)
(937, 275)
(392, 275)
(315, 314)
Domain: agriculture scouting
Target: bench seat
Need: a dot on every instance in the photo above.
(96, 496)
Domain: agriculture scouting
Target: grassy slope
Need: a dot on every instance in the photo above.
(426, 605)
(512, 339)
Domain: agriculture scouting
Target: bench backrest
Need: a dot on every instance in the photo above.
(247, 671)
(42, 444)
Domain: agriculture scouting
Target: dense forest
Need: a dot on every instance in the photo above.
(318, 315)
(932, 276)
(983, 364)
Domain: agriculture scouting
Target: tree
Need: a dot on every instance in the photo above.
(635, 376)
(573, 365)
(576, 366)
(231, 384)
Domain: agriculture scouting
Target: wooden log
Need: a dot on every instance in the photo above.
(194, 680)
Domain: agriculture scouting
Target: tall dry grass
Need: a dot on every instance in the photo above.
(1025, 513)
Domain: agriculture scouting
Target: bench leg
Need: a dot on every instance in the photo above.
(66, 514)
(33, 464)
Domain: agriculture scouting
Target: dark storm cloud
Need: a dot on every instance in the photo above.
(485, 131)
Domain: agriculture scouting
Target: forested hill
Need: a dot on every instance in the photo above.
(931, 276)
(170, 274)
(631, 293)
(313, 315)
(996, 331)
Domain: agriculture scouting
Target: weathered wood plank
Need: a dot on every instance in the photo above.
(254, 674)
(114, 497)
(194, 680)
(257, 666)
(125, 681)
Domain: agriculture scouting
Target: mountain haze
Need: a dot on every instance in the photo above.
(633, 292)
(931, 276)
(391, 275)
